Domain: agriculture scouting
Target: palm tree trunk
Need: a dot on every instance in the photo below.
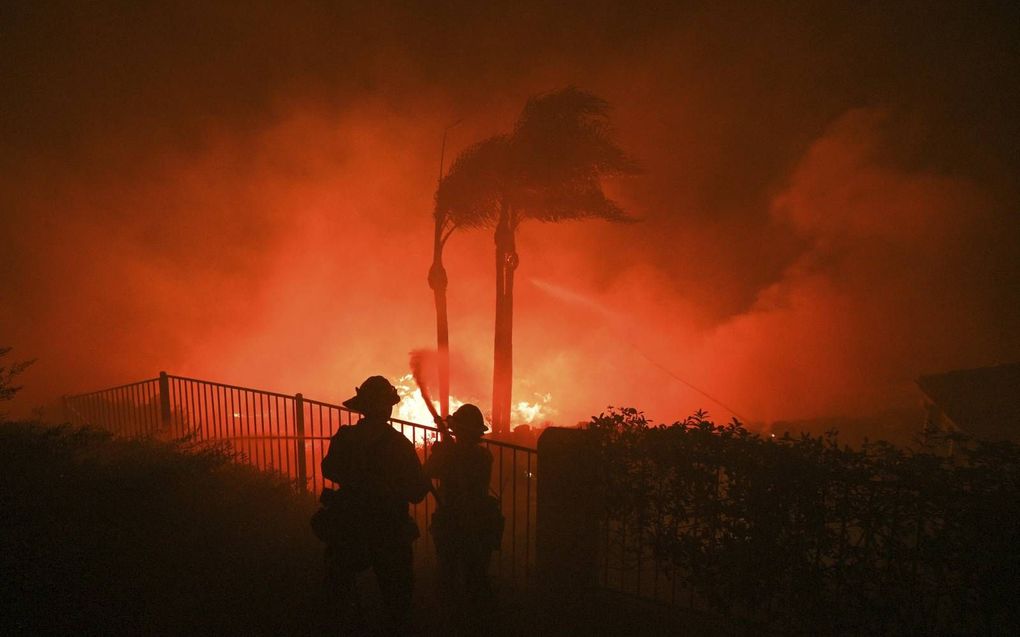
(437, 281)
(508, 344)
(497, 354)
(502, 370)
(443, 349)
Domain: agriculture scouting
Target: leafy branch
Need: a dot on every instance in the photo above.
(880, 538)
(7, 375)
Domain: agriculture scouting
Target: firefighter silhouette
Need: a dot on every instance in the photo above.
(467, 525)
(365, 522)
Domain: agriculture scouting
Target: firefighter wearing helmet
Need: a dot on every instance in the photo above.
(365, 522)
(467, 525)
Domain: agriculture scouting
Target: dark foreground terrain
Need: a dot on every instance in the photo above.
(107, 536)
(112, 536)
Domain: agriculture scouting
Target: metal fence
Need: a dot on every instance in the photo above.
(626, 564)
(289, 434)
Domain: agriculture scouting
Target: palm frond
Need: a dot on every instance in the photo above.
(578, 199)
(470, 193)
(566, 134)
(562, 145)
(549, 169)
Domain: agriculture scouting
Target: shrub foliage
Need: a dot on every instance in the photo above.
(803, 534)
(102, 535)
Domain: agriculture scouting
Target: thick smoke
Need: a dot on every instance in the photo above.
(891, 285)
(896, 279)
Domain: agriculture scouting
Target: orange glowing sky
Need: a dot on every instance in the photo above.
(828, 200)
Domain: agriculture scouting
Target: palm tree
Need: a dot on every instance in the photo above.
(549, 169)
(560, 149)
(464, 199)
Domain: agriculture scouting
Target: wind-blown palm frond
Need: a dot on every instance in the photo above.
(549, 169)
(470, 194)
(578, 199)
(564, 137)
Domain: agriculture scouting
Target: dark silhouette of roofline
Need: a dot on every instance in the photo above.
(983, 402)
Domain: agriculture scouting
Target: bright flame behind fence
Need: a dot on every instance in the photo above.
(412, 406)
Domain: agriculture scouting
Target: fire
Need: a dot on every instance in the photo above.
(538, 412)
(412, 406)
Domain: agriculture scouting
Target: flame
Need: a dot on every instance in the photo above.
(525, 413)
(412, 406)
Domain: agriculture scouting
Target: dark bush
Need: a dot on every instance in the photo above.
(101, 535)
(803, 534)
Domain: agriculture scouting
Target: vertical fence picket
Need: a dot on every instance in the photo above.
(299, 433)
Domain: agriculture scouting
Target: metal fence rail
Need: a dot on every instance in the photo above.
(126, 410)
(289, 434)
(626, 565)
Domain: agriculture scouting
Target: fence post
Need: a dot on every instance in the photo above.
(568, 509)
(299, 430)
(164, 400)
